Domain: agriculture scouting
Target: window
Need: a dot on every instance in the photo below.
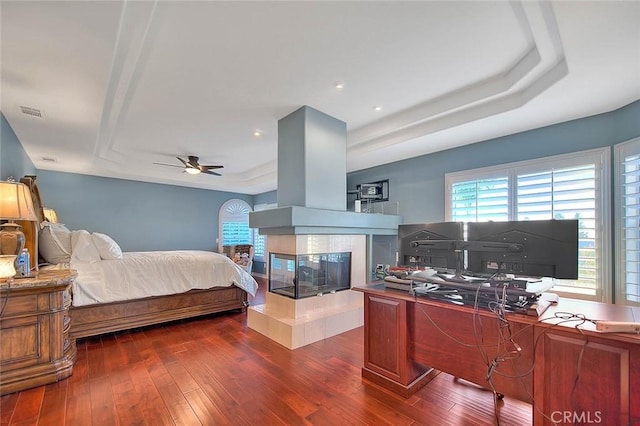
(573, 186)
(234, 224)
(259, 245)
(627, 162)
(260, 241)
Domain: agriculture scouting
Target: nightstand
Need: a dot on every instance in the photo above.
(35, 346)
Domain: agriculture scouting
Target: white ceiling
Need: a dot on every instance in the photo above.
(123, 85)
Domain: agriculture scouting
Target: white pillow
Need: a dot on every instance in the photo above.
(108, 249)
(54, 243)
(83, 248)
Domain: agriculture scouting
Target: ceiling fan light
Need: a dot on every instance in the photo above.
(192, 171)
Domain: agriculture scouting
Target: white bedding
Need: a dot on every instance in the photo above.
(144, 274)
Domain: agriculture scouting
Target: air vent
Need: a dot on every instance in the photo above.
(49, 159)
(31, 111)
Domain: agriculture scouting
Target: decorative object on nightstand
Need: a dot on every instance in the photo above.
(15, 204)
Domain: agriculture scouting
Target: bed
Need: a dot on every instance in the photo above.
(118, 290)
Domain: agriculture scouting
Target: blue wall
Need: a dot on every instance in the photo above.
(13, 159)
(270, 197)
(418, 183)
(139, 216)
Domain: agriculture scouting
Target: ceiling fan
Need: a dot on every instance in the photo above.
(193, 167)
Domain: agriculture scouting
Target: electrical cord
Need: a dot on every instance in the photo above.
(507, 349)
(444, 333)
(502, 353)
(566, 317)
(578, 367)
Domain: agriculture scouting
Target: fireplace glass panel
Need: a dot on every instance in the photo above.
(306, 275)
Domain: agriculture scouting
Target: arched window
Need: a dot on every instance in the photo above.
(233, 226)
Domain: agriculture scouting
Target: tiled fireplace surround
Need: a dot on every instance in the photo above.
(295, 323)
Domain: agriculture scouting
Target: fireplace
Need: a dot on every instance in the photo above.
(306, 275)
(317, 249)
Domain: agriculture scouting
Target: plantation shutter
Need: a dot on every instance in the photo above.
(629, 218)
(565, 193)
(234, 223)
(260, 241)
(480, 200)
(561, 187)
(258, 245)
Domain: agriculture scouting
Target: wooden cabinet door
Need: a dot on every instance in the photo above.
(25, 331)
(25, 342)
(585, 380)
(385, 339)
(387, 353)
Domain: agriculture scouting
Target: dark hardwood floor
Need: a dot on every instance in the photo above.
(215, 370)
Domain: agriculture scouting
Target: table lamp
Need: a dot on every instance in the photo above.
(15, 204)
(50, 215)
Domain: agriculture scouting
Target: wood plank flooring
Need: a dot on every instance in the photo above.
(214, 370)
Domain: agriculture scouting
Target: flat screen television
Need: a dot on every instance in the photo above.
(430, 245)
(373, 191)
(536, 248)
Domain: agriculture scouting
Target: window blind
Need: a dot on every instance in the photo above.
(628, 232)
(480, 200)
(234, 223)
(561, 187)
(565, 193)
(260, 241)
(236, 233)
(259, 245)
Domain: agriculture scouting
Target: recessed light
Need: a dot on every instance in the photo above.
(257, 133)
(338, 85)
(377, 108)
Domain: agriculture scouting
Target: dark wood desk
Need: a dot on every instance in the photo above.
(569, 375)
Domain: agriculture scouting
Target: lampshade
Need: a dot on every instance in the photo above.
(15, 202)
(50, 215)
(7, 268)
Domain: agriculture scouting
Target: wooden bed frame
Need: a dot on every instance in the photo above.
(98, 319)
(92, 320)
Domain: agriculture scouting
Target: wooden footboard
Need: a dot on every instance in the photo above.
(92, 320)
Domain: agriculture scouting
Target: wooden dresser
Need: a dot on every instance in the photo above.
(35, 346)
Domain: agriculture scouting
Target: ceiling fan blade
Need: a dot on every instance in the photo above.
(193, 167)
(169, 165)
(193, 162)
(209, 172)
